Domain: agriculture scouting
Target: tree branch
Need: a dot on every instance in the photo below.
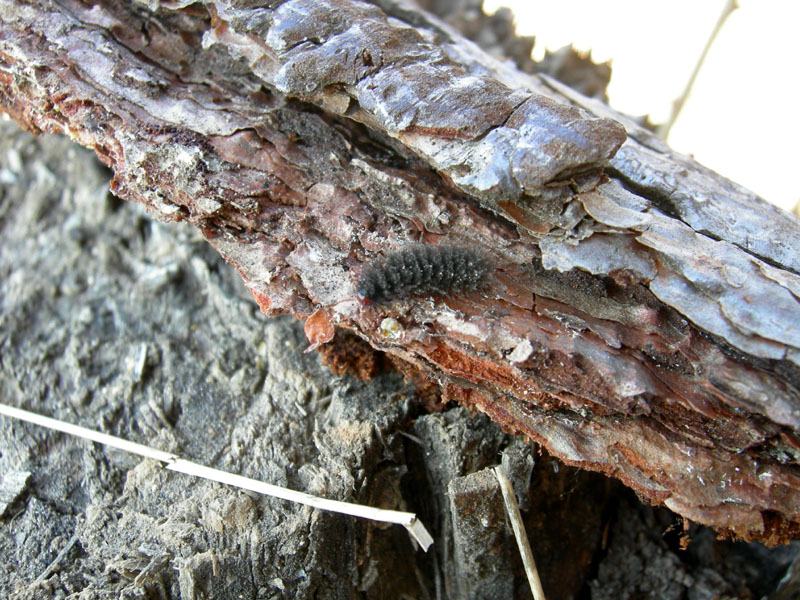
(642, 314)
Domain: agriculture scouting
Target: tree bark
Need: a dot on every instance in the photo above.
(641, 318)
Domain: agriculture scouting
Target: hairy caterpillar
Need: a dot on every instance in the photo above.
(422, 269)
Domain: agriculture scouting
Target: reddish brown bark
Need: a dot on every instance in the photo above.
(642, 314)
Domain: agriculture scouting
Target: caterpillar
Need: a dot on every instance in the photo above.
(422, 269)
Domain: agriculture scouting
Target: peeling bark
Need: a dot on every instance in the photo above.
(642, 315)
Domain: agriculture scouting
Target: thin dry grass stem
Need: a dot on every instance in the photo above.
(519, 533)
(54, 565)
(663, 130)
(174, 463)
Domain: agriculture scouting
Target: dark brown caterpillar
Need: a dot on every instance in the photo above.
(422, 269)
